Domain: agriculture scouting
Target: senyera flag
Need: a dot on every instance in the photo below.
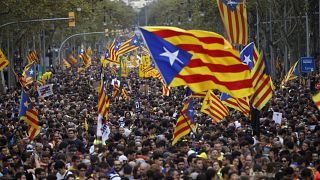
(199, 59)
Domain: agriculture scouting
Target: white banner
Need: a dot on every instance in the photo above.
(46, 90)
(103, 129)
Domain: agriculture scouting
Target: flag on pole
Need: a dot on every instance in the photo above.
(165, 90)
(112, 50)
(234, 18)
(292, 74)
(29, 114)
(103, 102)
(185, 123)
(214, 107)
(32, 57)
(262, 84)
(199, 59)
(316, 100)
(261, 80)
(28, 75)
(4, 62)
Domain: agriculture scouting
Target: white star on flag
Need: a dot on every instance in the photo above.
(247, 60)
(172, 56)
(31, 71)
(26, 104)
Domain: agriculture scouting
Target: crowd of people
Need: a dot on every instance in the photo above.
(141, 130)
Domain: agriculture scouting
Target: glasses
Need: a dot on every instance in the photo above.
(283, 160)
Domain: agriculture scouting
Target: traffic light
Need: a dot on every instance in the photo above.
(72, 20)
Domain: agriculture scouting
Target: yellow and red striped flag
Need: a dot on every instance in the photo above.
(262, 83)
(66, 64)
(234, 18)
(240, 104)
(3, 61)
(293, 73)
(165, 90)
(115, 90)
(316, 100)
(131, 44)
(185, 123)
(199, 59)
(103, 102)
(111, 53)
(29, 114)
(72, 60)
(32, 57)
(214, 107)
(28, 75)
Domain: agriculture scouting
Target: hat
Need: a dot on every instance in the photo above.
(123, 158)
(29, 148)
(203, 155)
(191, 152)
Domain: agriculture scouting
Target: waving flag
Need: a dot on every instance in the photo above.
(32, 57)
(4, 62)
(28, 75)
(201, 60)
(86, 59)
(262, 83)
(115, 90)
(316, 100)
(29, 114)
(113, 50)
(103, 102)
(214, 107)
(292, 74)
(125, 92)
(185, 122)
(66, 64)
(130, 45)
(240, 104)
(234, 18)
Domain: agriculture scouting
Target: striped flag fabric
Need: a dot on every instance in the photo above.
(4, 62)
(103, 102)
(131, 44)
(199, 59)
(185, 123)
(316, 100)
(125, 94)
(86, 59)
(66, 64)
(29, 114)
(262, 84)
(213, 107)
(234, 17)
(239, 104)
(32, 57)
(293, 73)
(115, 90)
(72, 60)
(113, 57)
(114, 70)
(28, 75)
(165, 90)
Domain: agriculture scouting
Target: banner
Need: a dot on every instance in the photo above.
(45, 91)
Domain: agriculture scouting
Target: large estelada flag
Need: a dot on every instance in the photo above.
(199, 59)
(29, 114)
(3, 61)
(234, 18)
(28, 75)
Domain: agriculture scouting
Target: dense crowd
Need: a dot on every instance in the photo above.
(141, 130)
